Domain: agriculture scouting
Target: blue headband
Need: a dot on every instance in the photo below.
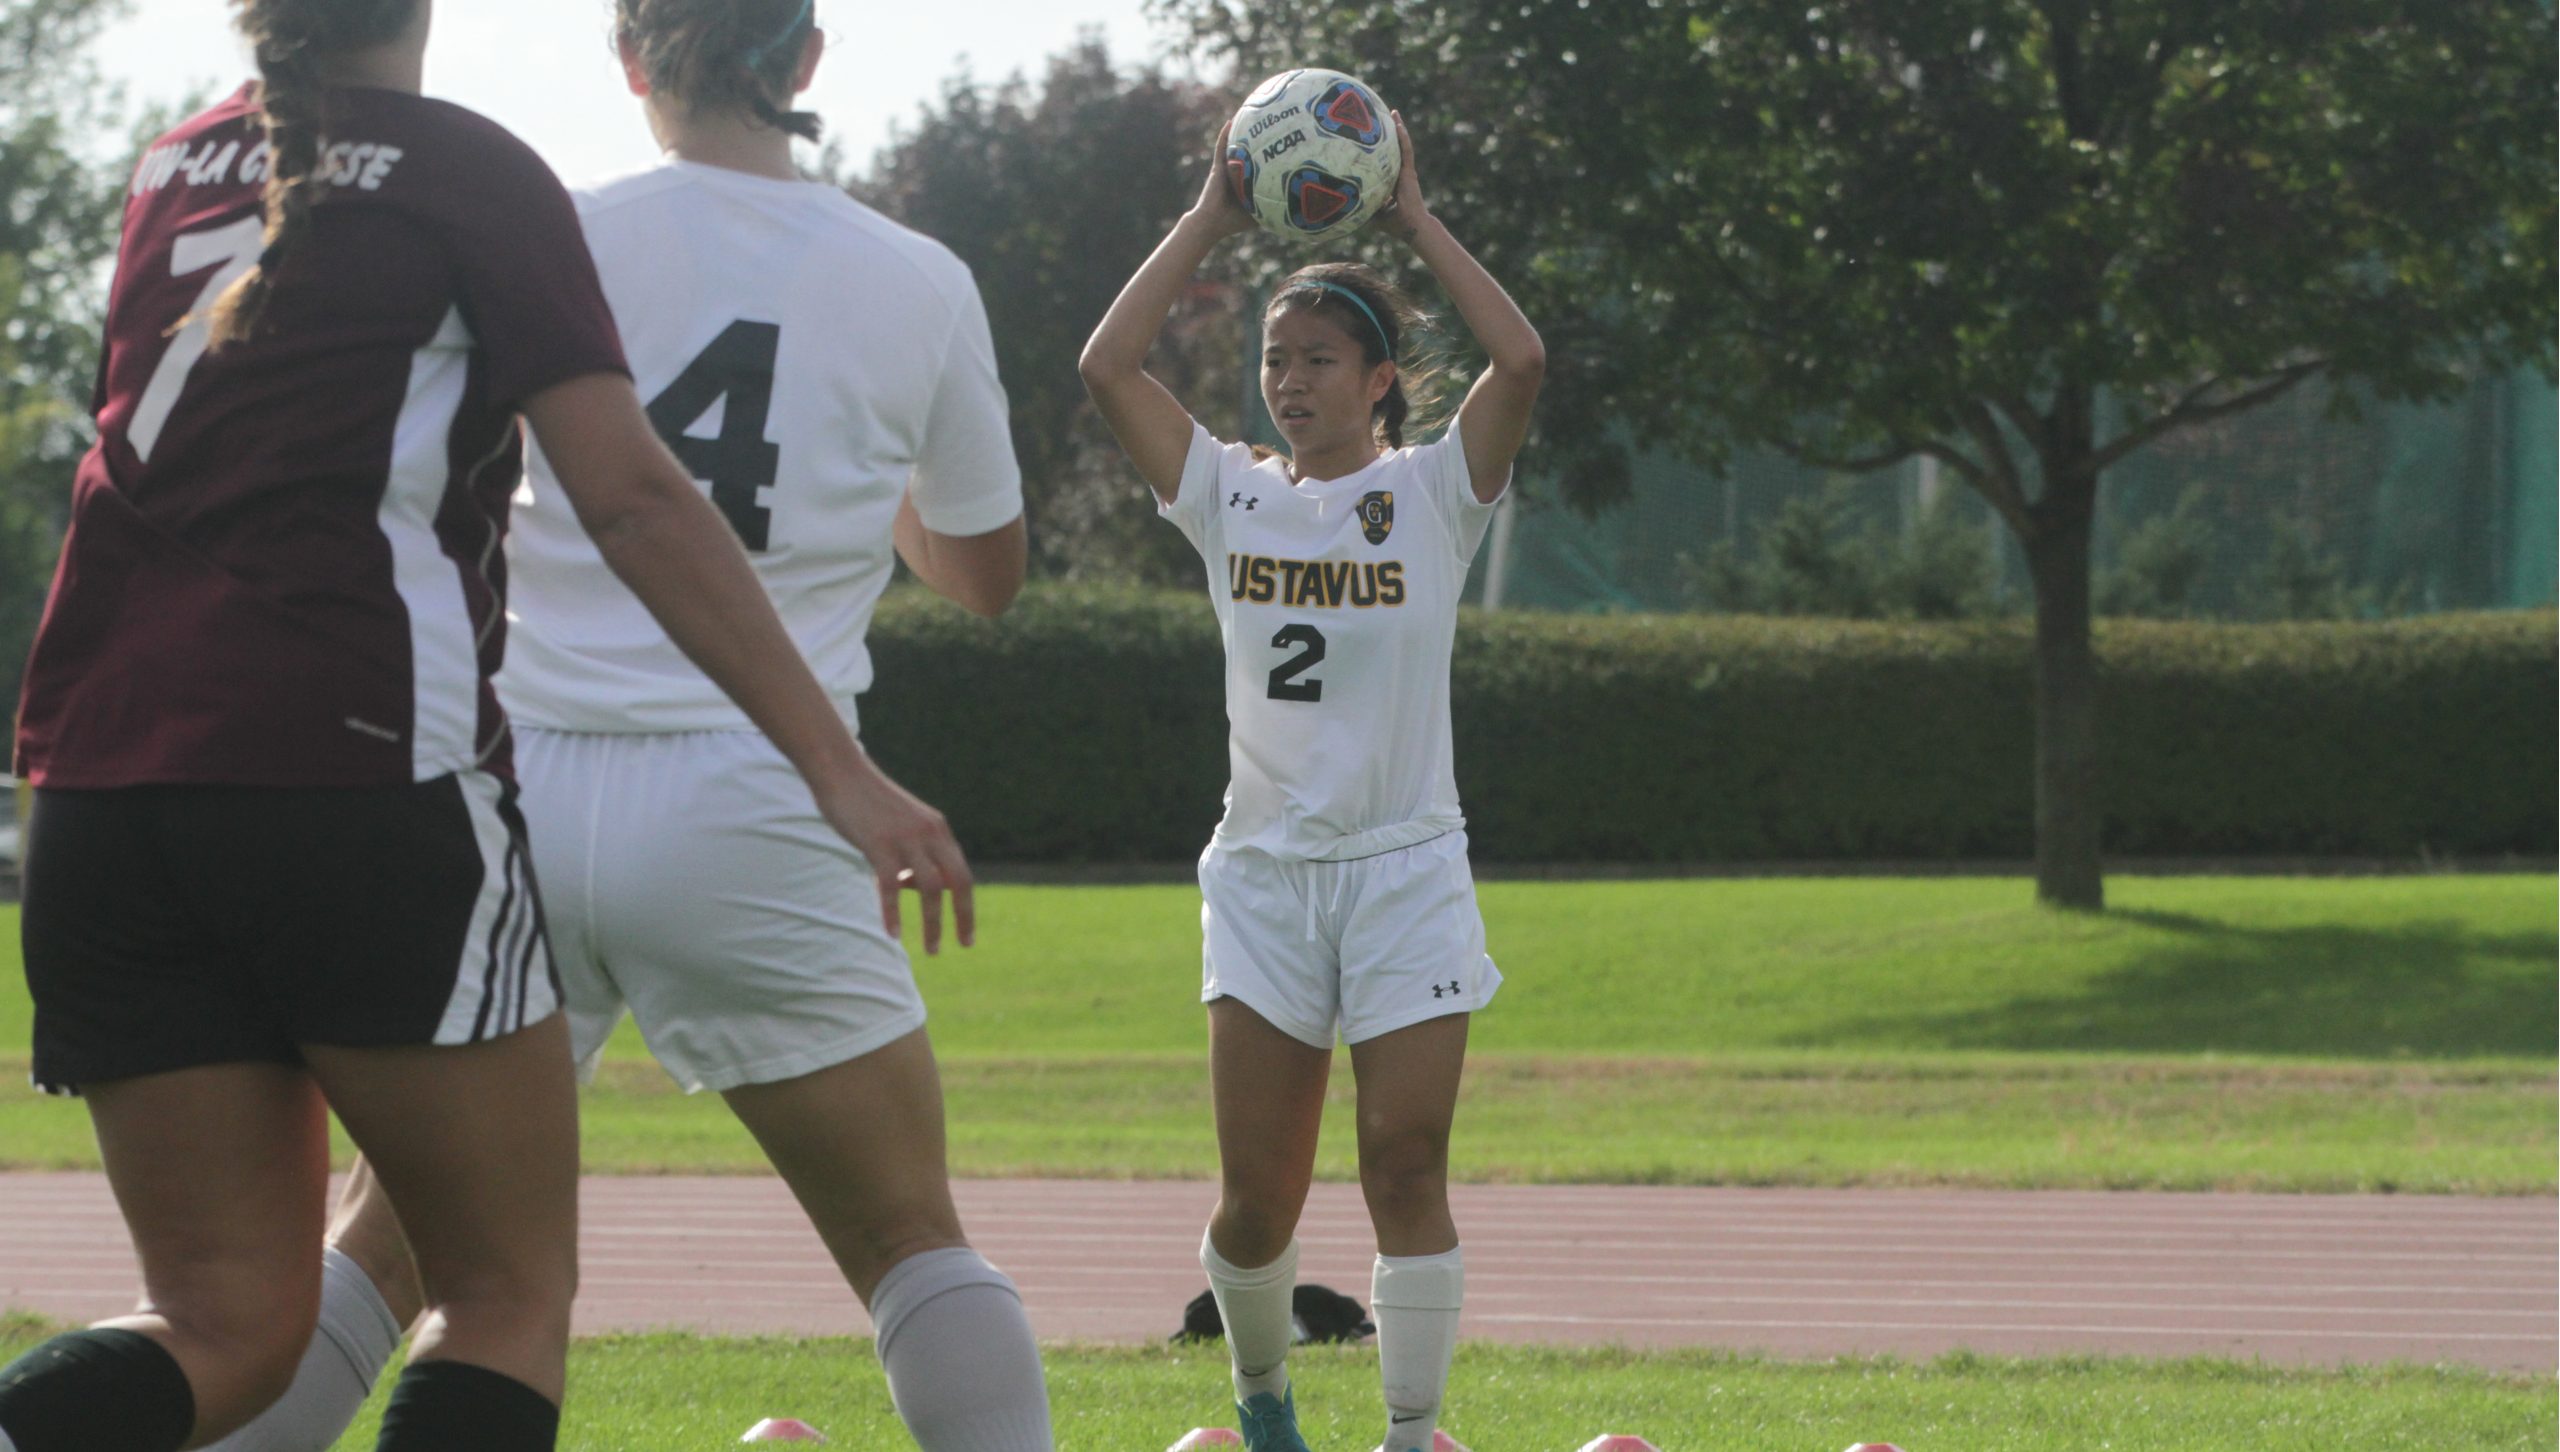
(756, 56)
(1316, 285)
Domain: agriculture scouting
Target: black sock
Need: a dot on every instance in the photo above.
(452, 1406)
(97, 1391)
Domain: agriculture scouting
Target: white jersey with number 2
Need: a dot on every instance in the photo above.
(1338, 602)
(810, 361)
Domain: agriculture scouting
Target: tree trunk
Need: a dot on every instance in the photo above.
(2067, 872)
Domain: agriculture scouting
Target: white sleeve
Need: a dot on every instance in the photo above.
(1194, 509)
(1443, 463)
(966, 481)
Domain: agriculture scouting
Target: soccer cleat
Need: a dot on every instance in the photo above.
(1269, 1423)
(1440, 1442)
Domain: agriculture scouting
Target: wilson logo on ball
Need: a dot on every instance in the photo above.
(1345, 110)
(1318, 198)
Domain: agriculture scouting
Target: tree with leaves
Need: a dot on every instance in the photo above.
(2022, 237)
(1053, 195)
(58, 215)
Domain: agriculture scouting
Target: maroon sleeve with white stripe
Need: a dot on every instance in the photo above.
(284, 565)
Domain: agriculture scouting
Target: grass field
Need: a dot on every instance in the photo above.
(2265, 1033)
(669, 1393)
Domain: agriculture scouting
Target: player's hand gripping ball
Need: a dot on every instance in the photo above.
(1313, 154)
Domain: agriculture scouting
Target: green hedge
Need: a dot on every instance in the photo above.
(1087, 726)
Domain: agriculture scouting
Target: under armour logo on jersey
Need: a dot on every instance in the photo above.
(1445, 990)
(1238, 498)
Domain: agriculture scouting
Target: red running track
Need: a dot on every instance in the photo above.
(2302, 1279)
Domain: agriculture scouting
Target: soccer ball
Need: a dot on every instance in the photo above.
(1313, 154)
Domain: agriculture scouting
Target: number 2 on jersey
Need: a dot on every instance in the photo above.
(1285, 685)
(737, 371)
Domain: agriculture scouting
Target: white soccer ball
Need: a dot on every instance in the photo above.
(1313, 154)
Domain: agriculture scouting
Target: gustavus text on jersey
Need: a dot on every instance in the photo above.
(1320, 584)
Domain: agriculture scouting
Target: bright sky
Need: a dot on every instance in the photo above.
(540, 67)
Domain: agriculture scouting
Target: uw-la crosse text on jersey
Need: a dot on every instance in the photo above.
(1338, 602)
(284, 565)
(810, 361)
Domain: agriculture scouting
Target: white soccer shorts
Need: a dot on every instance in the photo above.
(1359, 948)
(688, 876)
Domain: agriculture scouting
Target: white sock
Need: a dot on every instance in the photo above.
(356, 1336)
(1254, 1305)
(1415, 1300)
(5, 1444)
(963, 1368)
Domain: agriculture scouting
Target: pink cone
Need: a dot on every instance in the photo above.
(1199, 1437)
(1874, 1447)
(1443, 1442)
(783, 1429)
(1608, 1442)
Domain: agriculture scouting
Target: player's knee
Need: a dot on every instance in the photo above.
(530, 1293)
(1405, 1173)
(1252, 1231)
(241, 1350)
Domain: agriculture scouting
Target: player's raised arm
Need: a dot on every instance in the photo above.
(677, 554)
(1494, 420)
(1151, 424)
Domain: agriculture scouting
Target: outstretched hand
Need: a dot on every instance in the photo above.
(911, 849)
(1406, 212)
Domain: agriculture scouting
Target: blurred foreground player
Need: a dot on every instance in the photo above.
(829, 377)
(275, 865)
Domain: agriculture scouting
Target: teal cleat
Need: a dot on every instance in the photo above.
(1269, 1423)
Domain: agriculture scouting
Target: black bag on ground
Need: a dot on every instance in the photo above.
(1316, 1313)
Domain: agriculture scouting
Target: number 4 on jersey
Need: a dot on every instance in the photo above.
(739, 465)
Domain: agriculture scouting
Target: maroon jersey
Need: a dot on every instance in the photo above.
(283, 566)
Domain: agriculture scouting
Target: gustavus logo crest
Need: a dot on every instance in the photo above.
(1377, 515)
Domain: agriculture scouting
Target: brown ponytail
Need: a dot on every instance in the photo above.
(290, 40)
(723, 55)
(1390, 317)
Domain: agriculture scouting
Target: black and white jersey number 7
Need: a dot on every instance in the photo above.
(736, 371)
(1285, 685)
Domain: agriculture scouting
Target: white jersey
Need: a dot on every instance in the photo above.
(810, 361)
(1338, 602)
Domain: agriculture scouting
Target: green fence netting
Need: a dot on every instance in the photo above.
(2403, 509)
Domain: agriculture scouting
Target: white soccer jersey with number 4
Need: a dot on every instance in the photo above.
(1338, 602)
(810, 361)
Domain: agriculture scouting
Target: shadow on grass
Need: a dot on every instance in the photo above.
(2422, 990)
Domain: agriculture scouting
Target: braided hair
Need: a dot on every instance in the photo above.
(723, 55)
(290, 39)
(1382, 318)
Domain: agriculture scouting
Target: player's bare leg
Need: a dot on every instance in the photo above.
(1408, 1084)
(222, 1174)
(369, 1294)
(1408, 1098)
(478, 1146)
(1268, 1089)
(861, 1144)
